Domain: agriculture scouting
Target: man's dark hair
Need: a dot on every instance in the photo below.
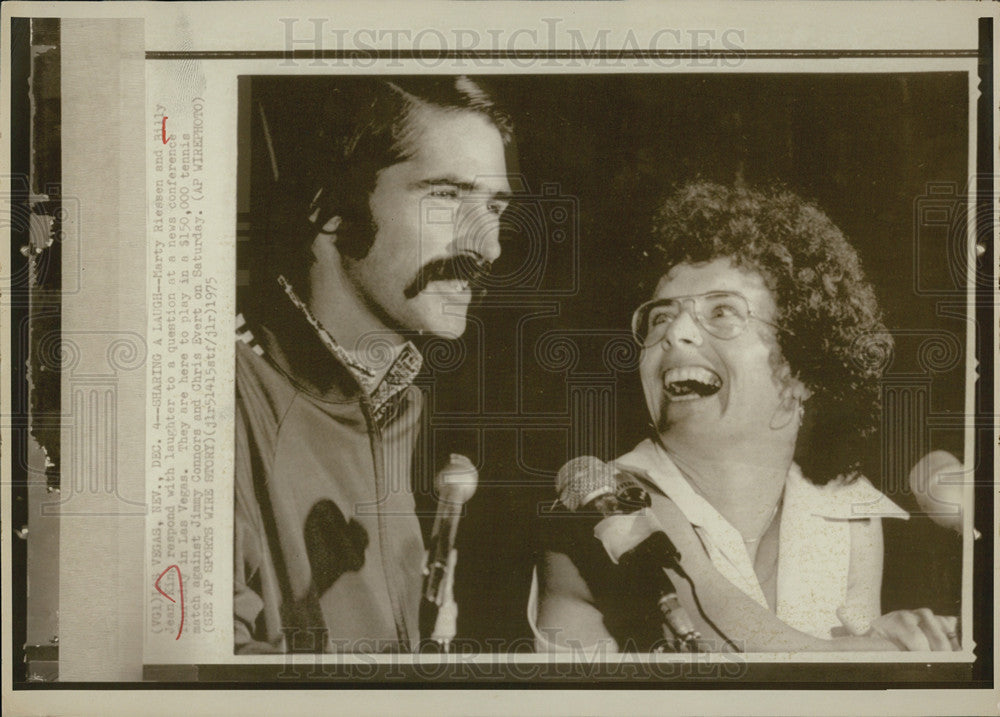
(832, 334)
(362, 127)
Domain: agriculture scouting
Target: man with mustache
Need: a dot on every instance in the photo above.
(384, 238)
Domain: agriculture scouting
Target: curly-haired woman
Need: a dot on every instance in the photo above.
(756, 363)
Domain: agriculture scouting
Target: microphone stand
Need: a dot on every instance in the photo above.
(440, 616)
(656, 552)
(454, 484)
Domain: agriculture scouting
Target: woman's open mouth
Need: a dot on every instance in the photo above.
(690, 382)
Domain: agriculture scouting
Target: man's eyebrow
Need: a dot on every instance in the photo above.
(463, 185)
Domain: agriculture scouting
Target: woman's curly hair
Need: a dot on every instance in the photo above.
(832, 336)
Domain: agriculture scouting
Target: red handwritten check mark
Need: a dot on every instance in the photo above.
(180, 586)
(163, 132)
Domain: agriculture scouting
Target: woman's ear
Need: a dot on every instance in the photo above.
(793, 394)
(793, 391)
(800, 392)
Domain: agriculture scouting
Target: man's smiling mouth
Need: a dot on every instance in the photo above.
(458, 272)
(690, 382)
(457, 284)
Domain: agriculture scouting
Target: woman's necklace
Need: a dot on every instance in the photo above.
(747, 542)
(697, 489)
(774, 511)
(765, 571)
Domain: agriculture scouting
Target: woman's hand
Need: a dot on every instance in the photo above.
(918, 630)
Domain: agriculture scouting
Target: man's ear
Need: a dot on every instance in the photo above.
(331, 225)
(325, 242)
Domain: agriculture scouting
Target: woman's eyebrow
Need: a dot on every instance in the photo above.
(700, 293)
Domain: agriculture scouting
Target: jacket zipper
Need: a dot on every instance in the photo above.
(398, 612)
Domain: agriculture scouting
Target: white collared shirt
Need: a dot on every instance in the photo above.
(814, 543)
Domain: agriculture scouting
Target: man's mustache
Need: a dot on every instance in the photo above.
(461, 267)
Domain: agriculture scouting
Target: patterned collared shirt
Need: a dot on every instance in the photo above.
(399, 376)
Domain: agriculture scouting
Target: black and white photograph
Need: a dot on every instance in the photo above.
(523, 355)
(509, 344)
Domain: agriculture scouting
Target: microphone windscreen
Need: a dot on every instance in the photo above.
(937, 482)
(456, 482)
(582, 480)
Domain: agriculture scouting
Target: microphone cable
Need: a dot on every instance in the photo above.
(701, 609)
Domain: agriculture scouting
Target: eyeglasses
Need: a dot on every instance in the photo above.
(723, 314)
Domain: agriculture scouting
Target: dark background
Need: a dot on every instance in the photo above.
(545, 371)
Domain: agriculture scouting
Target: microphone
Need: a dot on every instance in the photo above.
(631, 535)
(454, 484)
(936, 481)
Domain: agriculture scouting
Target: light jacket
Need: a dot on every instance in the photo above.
(328, 549)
